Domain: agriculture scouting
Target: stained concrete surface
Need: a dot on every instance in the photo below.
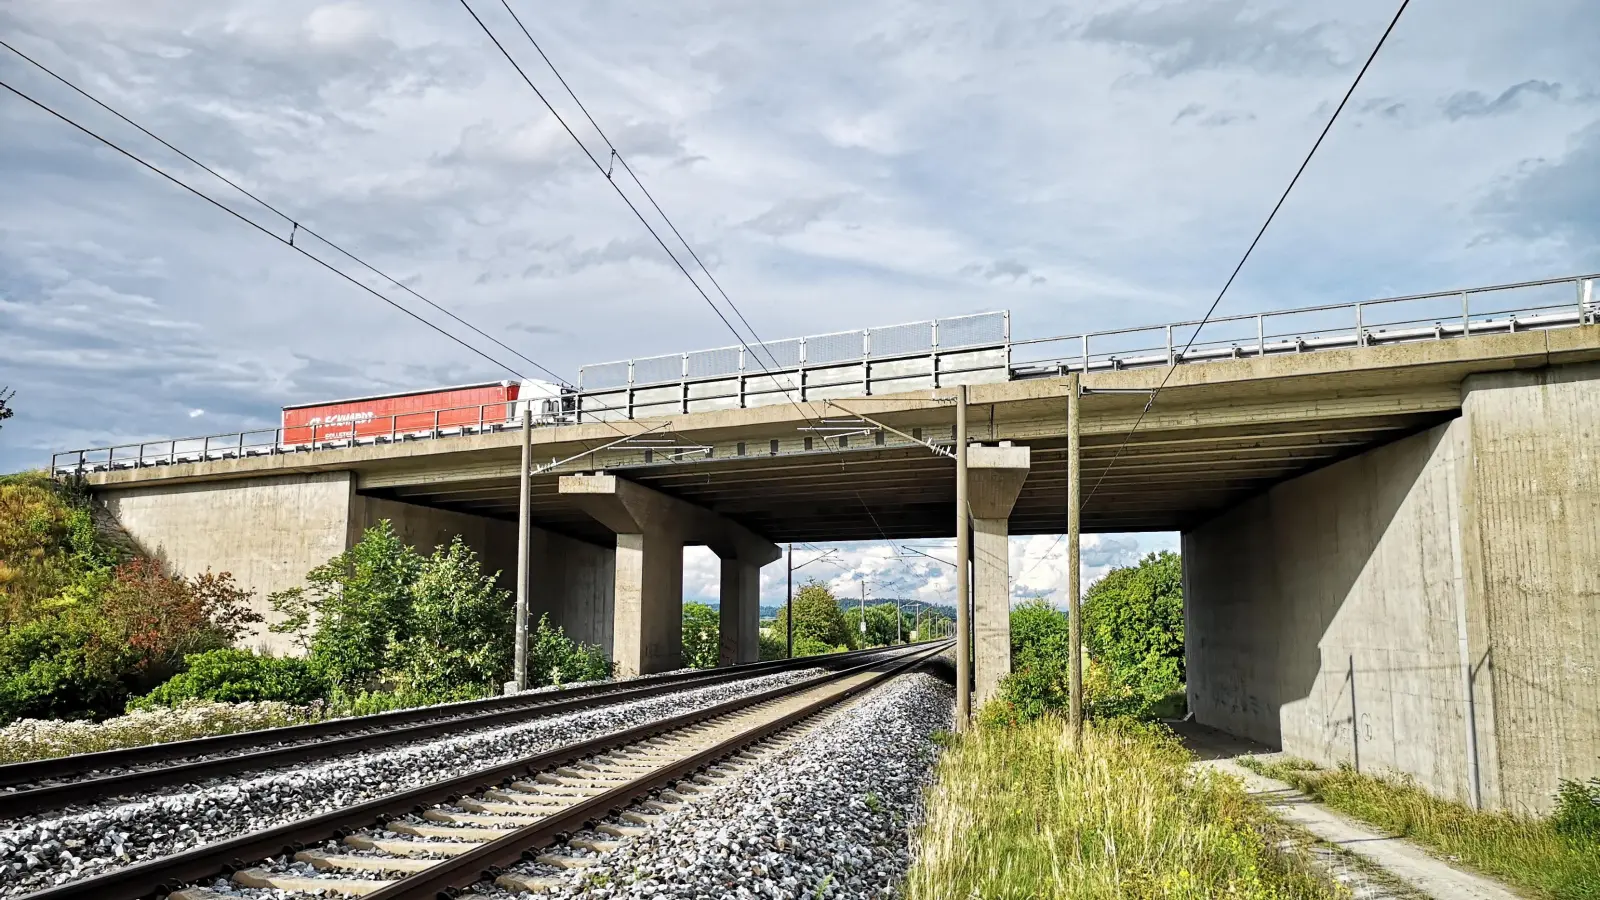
(1430, 607)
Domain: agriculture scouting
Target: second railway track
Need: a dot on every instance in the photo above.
(468, 830)
(52, 784)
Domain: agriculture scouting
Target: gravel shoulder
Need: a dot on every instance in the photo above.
(829, 817)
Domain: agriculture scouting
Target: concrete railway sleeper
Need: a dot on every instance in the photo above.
(454, 833)
(52, 784)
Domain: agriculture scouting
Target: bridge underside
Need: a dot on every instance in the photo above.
(1156, 481)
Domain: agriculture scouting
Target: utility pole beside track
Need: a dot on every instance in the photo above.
(963, 591)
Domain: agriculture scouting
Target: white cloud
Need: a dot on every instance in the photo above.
(1091, 166)
(196, 413)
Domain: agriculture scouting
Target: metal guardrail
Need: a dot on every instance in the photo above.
(791, 354)
(882, 360)
(1548, 303)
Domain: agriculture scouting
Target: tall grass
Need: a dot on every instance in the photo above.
(1019, 812)
(1531, 854)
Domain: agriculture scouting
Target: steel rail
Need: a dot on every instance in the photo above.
(473, 866)
(159, 877)
(325, 739)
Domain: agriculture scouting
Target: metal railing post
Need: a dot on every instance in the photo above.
(1361, 340)
(1085, 339)
(1583, 299)
(436, 423)
(1170, 359)
(1466, 316)
(1261, 334)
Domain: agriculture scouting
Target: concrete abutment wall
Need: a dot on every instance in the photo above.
(1374, 611)
(268, 532)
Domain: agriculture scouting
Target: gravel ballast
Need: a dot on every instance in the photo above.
(50, 850)
(829, 817)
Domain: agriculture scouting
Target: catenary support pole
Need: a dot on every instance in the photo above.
(524, 556)
(963, 588)
(788, 609)
(1074, 620)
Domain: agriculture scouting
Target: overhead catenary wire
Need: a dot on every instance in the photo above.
(296, 226)
(245, 219)
(1282, 198)
(606, 173)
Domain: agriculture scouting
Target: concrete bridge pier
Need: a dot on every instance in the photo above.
(652, 529)
(994, 480)
(740, 614)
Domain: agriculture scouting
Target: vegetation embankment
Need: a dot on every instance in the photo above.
(90, 628)
(1019, 809)
(1556, 857)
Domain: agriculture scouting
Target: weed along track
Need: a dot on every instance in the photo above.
(548, 813)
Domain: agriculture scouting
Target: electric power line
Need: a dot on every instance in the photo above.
(296, 225)
(1251, 249)
(646, 223)
(287, 242)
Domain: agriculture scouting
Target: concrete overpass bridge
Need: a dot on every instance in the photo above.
(1389, 514)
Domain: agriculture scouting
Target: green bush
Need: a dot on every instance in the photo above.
(702, 636)
(1133, 625)
(774, 646)
(1577, 814)
(62, 667)
(360, 601)
(238, 676)
(806, 645)
(554, 658)
(460, 627)
(387, 617)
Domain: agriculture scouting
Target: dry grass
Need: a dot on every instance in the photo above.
(1020, 813)
(1526, 852)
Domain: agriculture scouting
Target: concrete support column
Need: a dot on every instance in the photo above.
(647, 628)
(995, 476)
(652, 529)
(740, 616)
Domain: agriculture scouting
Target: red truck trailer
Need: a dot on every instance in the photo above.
(467, 407)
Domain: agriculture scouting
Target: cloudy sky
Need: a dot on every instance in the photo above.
(839, 165)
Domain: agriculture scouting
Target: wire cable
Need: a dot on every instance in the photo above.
(617, 155)
(295, 224)
(253, 224)
(603, 170)
(1251, 249)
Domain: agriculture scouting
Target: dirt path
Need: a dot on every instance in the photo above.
(1375, 865)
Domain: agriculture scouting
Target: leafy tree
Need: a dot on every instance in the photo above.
(773, 645)
(6, 409)
(1040, 678)
(460, 628)
(360, 603)
(880, 624)
(163, 619)
(816, 616)
(702, 636)
(1133, 626)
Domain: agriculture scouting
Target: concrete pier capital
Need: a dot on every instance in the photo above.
(652, 529)
(994, 479)
(629, 508)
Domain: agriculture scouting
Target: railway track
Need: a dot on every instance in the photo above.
(448, 836)
(52, 784)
